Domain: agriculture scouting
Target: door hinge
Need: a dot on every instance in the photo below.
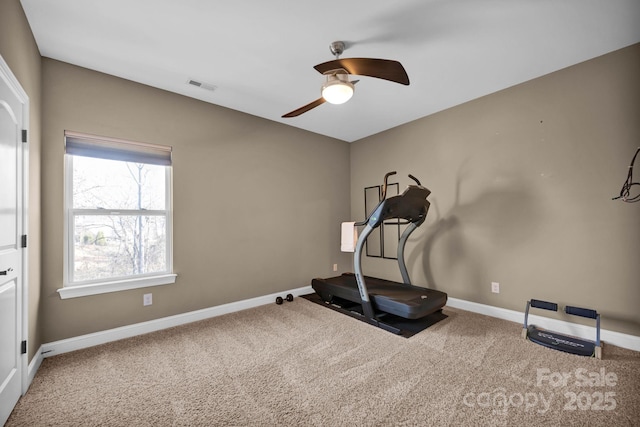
(23, 347)
(23, 244)
(24, 135)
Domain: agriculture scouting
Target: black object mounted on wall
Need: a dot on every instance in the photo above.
(625, 193)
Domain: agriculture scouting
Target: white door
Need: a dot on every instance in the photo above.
(11, 215)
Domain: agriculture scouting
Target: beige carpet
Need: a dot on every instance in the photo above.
(302, 364)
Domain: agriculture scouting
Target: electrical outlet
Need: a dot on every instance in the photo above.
(495, 287)
(147, 299)
(335, 267)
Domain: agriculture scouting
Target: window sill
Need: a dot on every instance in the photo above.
(115, 286)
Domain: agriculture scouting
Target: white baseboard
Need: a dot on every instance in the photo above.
(581, 331)
(84, 341)
(33, 367)
(103, 337)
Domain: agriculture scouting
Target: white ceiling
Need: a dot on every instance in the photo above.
(260, 54)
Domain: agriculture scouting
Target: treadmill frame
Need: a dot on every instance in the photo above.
(397, 325)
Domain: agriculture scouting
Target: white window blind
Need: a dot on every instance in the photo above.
(79, 144)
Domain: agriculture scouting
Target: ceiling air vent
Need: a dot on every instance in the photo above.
(202, 85)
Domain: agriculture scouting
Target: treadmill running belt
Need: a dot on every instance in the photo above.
(407, 301)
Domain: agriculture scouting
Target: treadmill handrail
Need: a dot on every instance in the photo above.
(384, 186)
(401, 244)
(367, 307)
(382, 199)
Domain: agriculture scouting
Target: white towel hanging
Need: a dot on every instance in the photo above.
(349, 237)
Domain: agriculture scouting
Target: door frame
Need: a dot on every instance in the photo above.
(14, 85)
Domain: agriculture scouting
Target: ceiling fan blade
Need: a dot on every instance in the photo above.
(386, 69)
(305, 108)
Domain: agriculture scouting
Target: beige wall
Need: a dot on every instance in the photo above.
(257, 205)
(521, 183)
(19, 50)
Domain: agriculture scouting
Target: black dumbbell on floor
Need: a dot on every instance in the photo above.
(280, 300)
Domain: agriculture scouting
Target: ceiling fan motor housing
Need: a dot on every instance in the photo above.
(337, 48)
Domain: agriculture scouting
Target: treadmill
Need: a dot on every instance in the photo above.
(401, 308)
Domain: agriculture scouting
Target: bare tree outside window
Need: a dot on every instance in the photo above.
(119, 219)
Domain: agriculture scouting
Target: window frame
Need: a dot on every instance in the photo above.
(72, 289)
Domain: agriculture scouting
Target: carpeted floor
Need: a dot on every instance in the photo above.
(302, 364)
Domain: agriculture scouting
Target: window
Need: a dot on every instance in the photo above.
(118, 215)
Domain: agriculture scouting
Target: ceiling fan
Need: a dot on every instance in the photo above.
(338, 89)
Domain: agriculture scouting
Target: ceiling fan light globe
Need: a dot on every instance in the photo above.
(337, 91)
